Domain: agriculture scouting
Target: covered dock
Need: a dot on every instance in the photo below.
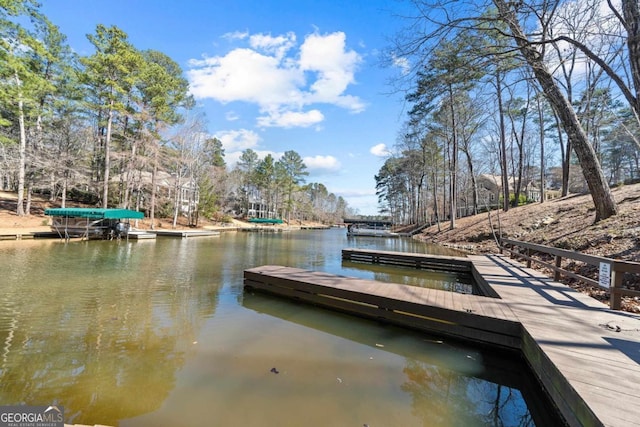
(269, 221)
(91, 223)
(369, 227)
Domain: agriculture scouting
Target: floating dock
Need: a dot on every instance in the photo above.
(140, 235)
(586, 356)
(185, 233)
(16, 236)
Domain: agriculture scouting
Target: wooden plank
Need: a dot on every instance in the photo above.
(591, 372)
(404, 299)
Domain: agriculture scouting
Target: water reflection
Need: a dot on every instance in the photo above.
(160, 333)
(99, 328)
(434, 279)
(449, 383)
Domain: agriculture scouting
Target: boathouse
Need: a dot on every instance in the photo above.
(91, 223)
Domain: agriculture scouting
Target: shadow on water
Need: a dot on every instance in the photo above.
(444, 377)
(434, 279)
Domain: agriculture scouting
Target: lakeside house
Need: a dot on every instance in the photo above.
(490, 190)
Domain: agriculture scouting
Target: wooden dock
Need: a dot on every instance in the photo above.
(586, 356)
(185, 233)
(16, 236)
(140, 235)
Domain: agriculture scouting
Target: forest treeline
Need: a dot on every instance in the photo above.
(117, 128)
(513, 102)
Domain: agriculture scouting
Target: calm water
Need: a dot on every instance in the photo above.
(160, 333)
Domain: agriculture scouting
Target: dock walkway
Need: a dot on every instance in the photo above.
(585, 355)
(185, 233)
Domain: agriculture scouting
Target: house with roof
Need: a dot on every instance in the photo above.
(490, 189)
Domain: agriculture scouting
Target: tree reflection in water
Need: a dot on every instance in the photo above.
(94, 337)
(441, 397)
(108, 331)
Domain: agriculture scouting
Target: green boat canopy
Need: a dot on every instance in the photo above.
(94, 213)
(265, 221)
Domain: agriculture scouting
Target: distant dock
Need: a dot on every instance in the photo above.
(25, 235)
(140, 235)
(185, 233)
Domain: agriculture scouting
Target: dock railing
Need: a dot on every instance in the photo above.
(610, 271)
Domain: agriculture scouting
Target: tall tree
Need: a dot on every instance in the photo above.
(438, 22)
(58, 97)
(22, 86)
(164, 94)
(601, 194)
(265, 178)
(109, 76)
(247, 165)
(448, 73)
(214, 152)
(293, 172)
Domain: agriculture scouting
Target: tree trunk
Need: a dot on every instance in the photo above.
(503, 146)
(154, 174)
(130, 171)
(542, 163)
(63, 196)
(474, 184)
(27, 209)
(107, 155)
(631, 14)
(454, 164)
(436, 208)
(600, 192)
(22, 152)
(177, 200)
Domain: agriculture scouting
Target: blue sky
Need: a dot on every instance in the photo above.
(273, 75)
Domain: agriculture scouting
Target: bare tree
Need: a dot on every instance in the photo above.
(444, 20)
(601, 194)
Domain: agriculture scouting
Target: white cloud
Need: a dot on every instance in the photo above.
(402, 63)
(237, 140)
(280, 79)
(322, 164)
(327, 56)
(379, 150)
(231, 116)
(245, 75)
(236, 35)
(289, 119)
(277, 46)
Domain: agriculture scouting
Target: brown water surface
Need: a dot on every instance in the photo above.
(160, 333)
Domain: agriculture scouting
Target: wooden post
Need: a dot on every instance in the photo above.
(528, 257)
(556, 273)
(615, 300)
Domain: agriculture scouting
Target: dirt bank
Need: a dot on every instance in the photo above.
(566, 223)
